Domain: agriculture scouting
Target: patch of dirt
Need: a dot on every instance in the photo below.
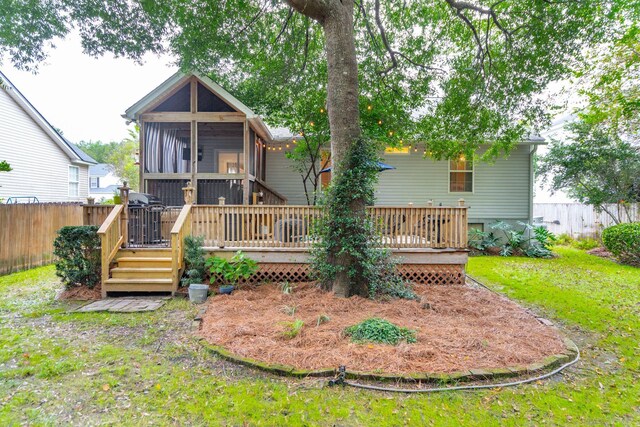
(81, 293)
(461, 327)
(601, 252)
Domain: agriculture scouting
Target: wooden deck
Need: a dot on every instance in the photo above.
(431, 243)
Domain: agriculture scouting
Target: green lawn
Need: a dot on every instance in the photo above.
(58, 368)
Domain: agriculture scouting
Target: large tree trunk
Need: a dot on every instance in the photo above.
(336, 17)
(344, 115)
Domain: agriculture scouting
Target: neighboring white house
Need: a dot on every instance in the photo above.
(103, 182)
(45, 165)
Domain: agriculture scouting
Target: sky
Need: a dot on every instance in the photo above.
(85, 96)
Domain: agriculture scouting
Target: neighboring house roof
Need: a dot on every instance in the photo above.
(71, 150)
(109, 189)
(101, 169)
(179, 79)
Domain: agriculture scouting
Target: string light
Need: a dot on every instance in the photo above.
(369, 107)
(322, 110)
(287, 145)
(379, 122)
(415, 149)
(390, 133)
(312, 124)
(280, 148)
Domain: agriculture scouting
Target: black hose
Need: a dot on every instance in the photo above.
(467, 387)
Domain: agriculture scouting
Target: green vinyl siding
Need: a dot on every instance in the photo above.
(500, 190)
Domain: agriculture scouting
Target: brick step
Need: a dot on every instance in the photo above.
(141, 273)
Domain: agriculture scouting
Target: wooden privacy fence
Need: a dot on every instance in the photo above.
(580, 220)
(290, 226)
(27, 231)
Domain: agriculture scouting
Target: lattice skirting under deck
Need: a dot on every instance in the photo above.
(429, 274)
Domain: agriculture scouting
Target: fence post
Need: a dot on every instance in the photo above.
(221, 223)
(124, 222)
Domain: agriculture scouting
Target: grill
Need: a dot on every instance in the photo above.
(146, 213)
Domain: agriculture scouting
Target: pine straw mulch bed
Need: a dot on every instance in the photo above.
(81, 293)
(461, 328)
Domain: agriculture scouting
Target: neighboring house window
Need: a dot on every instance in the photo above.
(95, 182)
(460, 176)
(74, 181)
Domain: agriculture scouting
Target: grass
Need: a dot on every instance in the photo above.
(59, 368)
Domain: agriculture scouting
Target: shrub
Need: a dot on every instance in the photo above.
(564, 239)
(195, 271)
(77, 249)
(586, 244)
(380, 331)
(384, 278)
(231, 271)
(623, 241)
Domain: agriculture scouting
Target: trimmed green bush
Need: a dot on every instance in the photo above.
(380, 331)
(77, 249)
(623, 241)
(195, 270)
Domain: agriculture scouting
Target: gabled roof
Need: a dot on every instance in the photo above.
(179, 79)
(71, 150)
(101, 169)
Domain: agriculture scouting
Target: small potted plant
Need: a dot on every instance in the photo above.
(195, 269)
(231, 271)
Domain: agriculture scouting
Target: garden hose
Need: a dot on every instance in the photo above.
(340, 379)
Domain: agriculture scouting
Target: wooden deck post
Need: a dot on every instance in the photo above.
(188, 193)
(124, 221)
(221, 224)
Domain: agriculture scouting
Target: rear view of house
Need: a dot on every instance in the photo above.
(46, 167)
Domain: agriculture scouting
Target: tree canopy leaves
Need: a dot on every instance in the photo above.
(452, 74)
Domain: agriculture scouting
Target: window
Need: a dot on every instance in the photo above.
(74, 181)
(94, 182)
(460, 176)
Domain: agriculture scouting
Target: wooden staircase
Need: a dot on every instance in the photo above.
(141, 270)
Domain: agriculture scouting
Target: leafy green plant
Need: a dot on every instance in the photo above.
(77, 249)
(623, 241)
(289, 310)
(564, 239)
(531, 241)
(323, 318)
(195, 271)
(586, 244)
(380, 331)
(482, 240)
(231, 271)
(285, 287)
(292, 329)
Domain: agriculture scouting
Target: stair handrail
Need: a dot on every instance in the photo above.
(181, 228)
(111, 239)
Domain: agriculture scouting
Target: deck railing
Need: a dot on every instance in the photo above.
(269, 195)
(181, 228)
(111, 239)
(290, 226)
(95, 214)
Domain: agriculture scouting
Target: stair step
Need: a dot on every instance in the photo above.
(132, 285)
(141, 272)
(145, 262)
(144, 252)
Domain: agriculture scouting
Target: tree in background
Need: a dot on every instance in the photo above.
(121, 155)
(594, 167)
(468, 72)
(4, 166)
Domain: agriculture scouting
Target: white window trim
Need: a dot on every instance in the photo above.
(473, 178)
(77, 181)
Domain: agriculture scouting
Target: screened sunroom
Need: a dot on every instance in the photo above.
(191, 129)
